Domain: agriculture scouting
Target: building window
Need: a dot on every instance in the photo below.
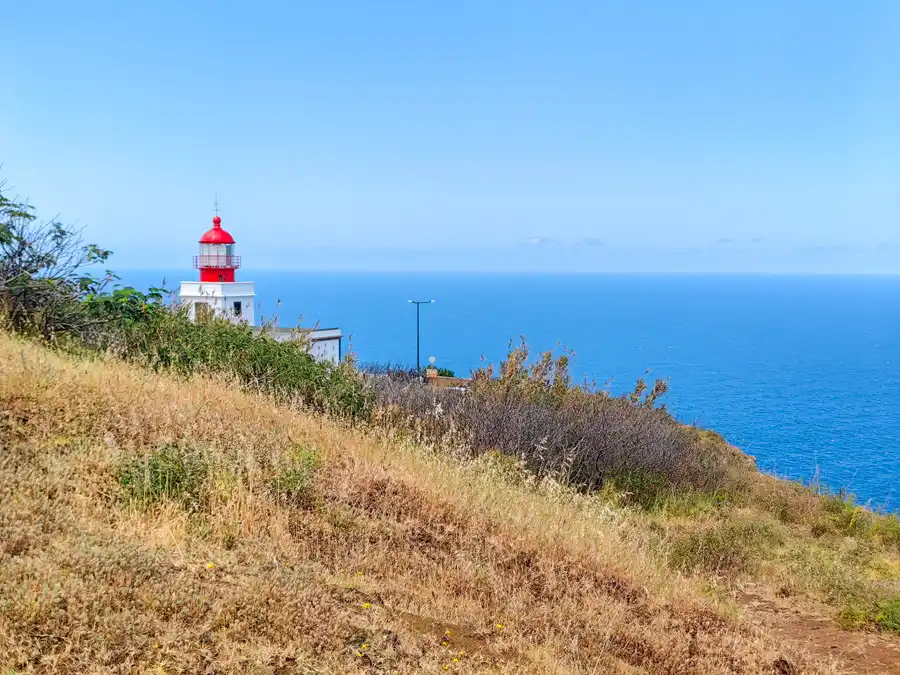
(237, 307)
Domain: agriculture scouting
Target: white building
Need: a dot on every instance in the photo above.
(324, 343)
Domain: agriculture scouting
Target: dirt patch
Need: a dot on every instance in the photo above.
(455, 635)
(811, 628)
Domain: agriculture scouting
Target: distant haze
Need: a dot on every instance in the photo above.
(573, 136)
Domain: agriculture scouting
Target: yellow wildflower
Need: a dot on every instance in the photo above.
(366, 605)
(210, 566)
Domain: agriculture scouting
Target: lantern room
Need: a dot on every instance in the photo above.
(217, 261)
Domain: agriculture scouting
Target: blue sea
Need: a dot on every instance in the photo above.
(802, 372)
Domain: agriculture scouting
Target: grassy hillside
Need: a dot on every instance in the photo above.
(153, 524)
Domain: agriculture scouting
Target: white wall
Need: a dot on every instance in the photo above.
(326, 350)
(220, 296)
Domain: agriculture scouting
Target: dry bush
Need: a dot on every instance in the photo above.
(533, 412)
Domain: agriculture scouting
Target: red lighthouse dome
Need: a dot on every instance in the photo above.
(217, 261)
(216, 235)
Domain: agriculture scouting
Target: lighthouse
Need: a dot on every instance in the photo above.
(217, 293)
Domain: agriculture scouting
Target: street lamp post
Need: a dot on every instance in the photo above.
(418, 303)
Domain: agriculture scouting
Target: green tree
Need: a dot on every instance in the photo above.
(45, 273)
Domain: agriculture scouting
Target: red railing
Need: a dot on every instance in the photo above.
(227, 262)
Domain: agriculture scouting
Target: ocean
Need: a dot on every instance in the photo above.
(802, 372)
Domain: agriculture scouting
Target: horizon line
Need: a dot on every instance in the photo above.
(713, 273)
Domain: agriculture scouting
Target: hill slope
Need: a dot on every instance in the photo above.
(152, 524)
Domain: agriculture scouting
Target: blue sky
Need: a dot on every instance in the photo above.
(549, 136)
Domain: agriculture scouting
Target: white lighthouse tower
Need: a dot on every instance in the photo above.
(218, 294)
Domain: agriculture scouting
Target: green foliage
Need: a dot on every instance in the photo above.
(881, 615)
(726, 547)
(169, 473)
(654, 492)
(887, 614)
(294, 481)
(165, 338)
(823, 570)
(853, 617)
(125, 308)
(647, 490)
(43, 273)
(445, 372)
(839, 515)
(887, 530)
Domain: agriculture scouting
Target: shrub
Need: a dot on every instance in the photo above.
(839, 515)
(887, 615)
(647, 490)
(817, 569)
(294, 480)
(723, 548)
(882, 615)
(577, 435)
(393, 371)
(853, 617)
(168, 473)
(887, 530)
(654, 492)
(142, 329)
(43, 275)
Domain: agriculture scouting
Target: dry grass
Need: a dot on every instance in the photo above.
(394, 560)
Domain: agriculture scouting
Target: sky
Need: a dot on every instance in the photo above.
(600, 136)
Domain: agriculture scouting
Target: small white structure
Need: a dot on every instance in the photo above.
(324, 343)
(218, 294)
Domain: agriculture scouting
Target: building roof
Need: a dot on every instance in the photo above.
(311, 334)
(216, 235)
